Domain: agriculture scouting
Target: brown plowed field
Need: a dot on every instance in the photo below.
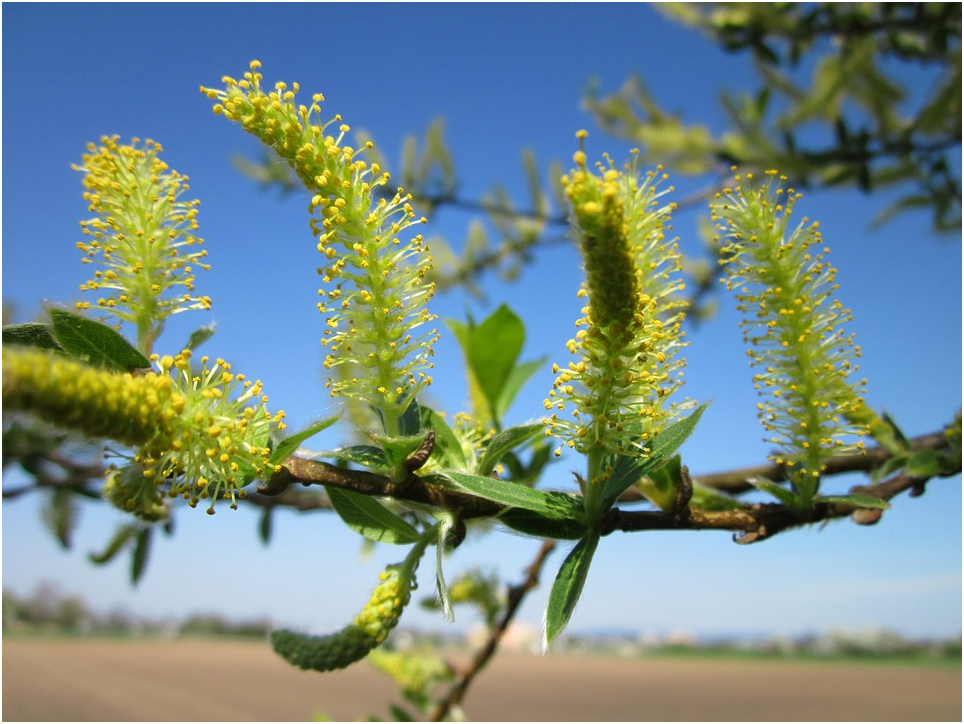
(200, 680)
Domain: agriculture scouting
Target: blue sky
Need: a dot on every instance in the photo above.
(505, 78)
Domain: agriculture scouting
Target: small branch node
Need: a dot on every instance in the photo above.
(418, 458)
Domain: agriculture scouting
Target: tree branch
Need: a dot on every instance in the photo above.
(763, 520)
(414, 489)
(735, 481)
(515, 596)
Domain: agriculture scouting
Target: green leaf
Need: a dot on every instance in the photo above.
(463, 333)
(513, 383)
(60, 515)
(567, 588)
(530, 472)
(706, 498)
(399, 449)
(286, 447)
(670, 439)
(199, 336)
(504, 442)
(367, 517)
(529, 523)
(889, 467)
(446, 522)
(368, 456)
(448, 450)
(858, 501)
(31, 334)
(557, 506)
(926, 463)
(628, 469)
(410, 423)
(784, 495)
(265, 525)
(142, 550)
(494, 346)
(122, 538)
(660, 486)
(95, 343)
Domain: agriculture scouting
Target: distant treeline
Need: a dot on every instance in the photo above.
(869, 644)
(49, 610)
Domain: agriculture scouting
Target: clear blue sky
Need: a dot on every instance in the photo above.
(505, 78)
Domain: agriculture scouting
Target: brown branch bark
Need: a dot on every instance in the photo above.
(311, 472)
(752, 522)
(735, 481)
(516, 595)
(756, 522)
(415, 489)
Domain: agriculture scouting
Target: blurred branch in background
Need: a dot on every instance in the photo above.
(834, 107)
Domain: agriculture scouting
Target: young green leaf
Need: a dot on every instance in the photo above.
(367, 456)
(567, 588)
(265, 525)
(889, 467)
(286, 447)
(494, 347)
(504, 442)
(60, 514)
(529, 523)
(628, 469)
(398, 450)
(122, 538)
(446, 521)
(858, 501)
(142, 549)
(410, 423)
(448, 450)
(399, 714)
(513, 383)
(784, 495)
(199, 336)
(669, 440)
(556, 506)
(31, 334)
(367, 517)
(706, 498)
(491, 350)
(94, 342)
(660, 486)
(927, 463)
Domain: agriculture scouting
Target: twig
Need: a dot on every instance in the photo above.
(748, 519)
(735, 481)
(514, 599)
(415, 489)
(763, 520)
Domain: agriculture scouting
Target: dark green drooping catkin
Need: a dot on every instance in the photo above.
(352, 643)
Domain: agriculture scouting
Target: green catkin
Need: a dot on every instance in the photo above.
(804, 362)
(617, 389)
(376, 290)
(195, 435)
(352, 643)
(131, 410)
(141, 242)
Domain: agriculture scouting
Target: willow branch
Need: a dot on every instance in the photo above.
(752, 522)
(763, 520)
(515, 596)
(757, 521)
(735, 481)
(414, 489)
